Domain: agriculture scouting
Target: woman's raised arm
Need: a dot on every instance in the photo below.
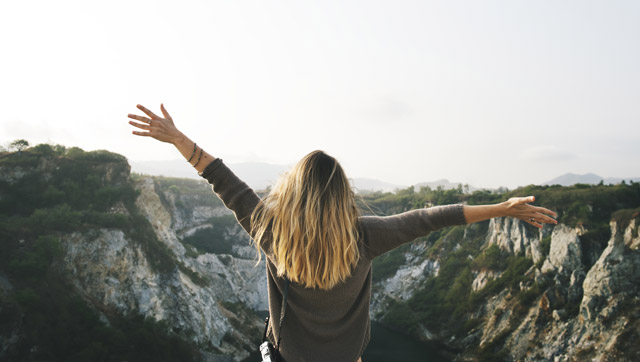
(235, 194)
(517, 207)
(164, 130)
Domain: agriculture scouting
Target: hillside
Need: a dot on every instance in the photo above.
(503, 290)
(99, 264)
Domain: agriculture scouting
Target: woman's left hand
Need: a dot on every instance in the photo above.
(520, 208)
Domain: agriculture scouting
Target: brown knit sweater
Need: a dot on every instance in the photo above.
(331, 325)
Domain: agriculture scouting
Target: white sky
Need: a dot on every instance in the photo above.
(493, 93)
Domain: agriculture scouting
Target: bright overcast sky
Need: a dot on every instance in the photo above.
(492, 93)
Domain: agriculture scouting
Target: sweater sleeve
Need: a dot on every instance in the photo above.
(234, 193)
(382, 234)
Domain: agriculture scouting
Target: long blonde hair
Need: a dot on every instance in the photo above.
(311, 218)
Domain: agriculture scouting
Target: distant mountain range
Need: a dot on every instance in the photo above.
(260, 175)
(569, 179)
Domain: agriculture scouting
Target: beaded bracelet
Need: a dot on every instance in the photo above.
(199, 157)
(194, 152)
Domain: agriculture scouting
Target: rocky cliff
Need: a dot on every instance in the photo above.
(561, 310)
(129, 256)
(110, 269)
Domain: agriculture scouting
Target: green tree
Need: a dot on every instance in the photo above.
(19, 144)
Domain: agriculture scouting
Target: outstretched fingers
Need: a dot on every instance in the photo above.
(536, 218)
(542, 218)
(534, 223)
(141, 126)
(545, 211)
(138, 133)
(165, 113)
(147, 112)
(139, 118)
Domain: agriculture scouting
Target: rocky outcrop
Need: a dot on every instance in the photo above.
(613, 277)
(582, 312)
(114, 273)
(512, 236)
(581, 315)
(565, 254)
(240, 279)
(149, 203)
(401, 285)
(631, 235)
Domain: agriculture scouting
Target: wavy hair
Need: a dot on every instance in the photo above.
(310, 218)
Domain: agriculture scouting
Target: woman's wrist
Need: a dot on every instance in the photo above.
(184, 145)
(502, 209)
(179, 139)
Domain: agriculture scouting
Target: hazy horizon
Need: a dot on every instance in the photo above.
(485, 93)
(267, 174)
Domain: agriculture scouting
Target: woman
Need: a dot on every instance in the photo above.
(309, 229)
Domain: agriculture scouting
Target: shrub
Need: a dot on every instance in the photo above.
(59, 218)
(36, 260)
(386, 265)
(545, 244)
(491, 258)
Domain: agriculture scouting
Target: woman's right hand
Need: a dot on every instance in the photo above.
(156, 127)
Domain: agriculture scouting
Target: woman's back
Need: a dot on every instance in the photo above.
(328, 324)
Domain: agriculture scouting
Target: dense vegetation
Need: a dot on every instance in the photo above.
(442, 301)
(59, 191)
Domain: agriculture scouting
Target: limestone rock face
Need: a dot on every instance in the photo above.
(243, 280)
(605, 298)
(583, 312)
(114, 272)
(160, 218)
(615, 274)
(402, 284)
(565, 254)
(512, 236)
(632, 235)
